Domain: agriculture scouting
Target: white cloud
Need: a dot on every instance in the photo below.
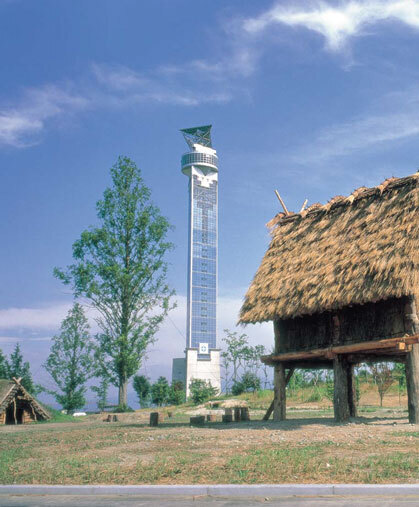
(107, 86)
(21, 123)
(394, 118)
(48, 317)
(337, 23)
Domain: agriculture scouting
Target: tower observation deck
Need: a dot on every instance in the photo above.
(200, 164)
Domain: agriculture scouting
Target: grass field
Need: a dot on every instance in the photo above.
(379, 447)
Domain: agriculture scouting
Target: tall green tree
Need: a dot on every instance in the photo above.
(237, 351)
(142, 387)
(101, 392)
(120, 268)
(4, 367)
(18, 368)
(71, 360)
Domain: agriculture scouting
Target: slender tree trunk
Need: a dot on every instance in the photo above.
(122, 398)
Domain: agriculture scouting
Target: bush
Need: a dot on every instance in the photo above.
(250, 381)
(120, 409)
(329, 390)
(177, 394)
(160, 391)
(316, 395)
(201, 391)
(238, 388)
(142, 387)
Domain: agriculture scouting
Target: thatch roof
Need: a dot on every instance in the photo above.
(353, 250)
(9, 389)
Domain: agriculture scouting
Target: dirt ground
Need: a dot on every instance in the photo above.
(380, 447)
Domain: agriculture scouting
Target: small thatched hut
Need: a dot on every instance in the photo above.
(340, 283)
(17, 406)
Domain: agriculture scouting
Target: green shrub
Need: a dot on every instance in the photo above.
(160, 391)
(201, 391)
(177, 394)
(237, 388)
(315, 395)
(120, 409)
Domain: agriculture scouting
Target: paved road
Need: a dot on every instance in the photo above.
(188, 501)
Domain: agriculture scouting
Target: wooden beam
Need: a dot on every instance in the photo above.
(304, 205)
(370, 346)
(317, 364)
(282, 202)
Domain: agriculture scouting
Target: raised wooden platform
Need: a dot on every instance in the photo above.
(395, 348)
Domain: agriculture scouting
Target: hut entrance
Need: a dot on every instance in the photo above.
(14, 414)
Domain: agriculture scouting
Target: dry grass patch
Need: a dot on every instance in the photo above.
(300, 450)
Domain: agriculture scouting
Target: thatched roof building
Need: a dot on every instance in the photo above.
(17, 406)
(341, 283)
(353, 250)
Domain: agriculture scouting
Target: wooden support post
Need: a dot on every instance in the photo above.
(279, 393)
(352, 391)
(271, 406)
(412, 383)
(341, 395)
(412, 361)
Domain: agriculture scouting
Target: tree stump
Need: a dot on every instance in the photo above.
(154, 419)
(237, 414)
(244, 414)
(197, 420)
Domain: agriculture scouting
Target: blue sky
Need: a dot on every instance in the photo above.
(311, 98)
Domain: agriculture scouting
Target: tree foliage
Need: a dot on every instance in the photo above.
(71, 362)
(249, 382)
(142, 387)
(18, 368)
(160, 391)
(101, 392)
(201, 391)
(4, 366)
(177, 393)
(119, 267)
(236, 352)
(383, 377)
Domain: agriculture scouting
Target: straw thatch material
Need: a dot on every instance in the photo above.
(11, 389)
(353, 250)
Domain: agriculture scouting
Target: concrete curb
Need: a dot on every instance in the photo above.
(220, 490)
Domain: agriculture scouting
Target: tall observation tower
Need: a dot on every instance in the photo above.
(202, 359)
